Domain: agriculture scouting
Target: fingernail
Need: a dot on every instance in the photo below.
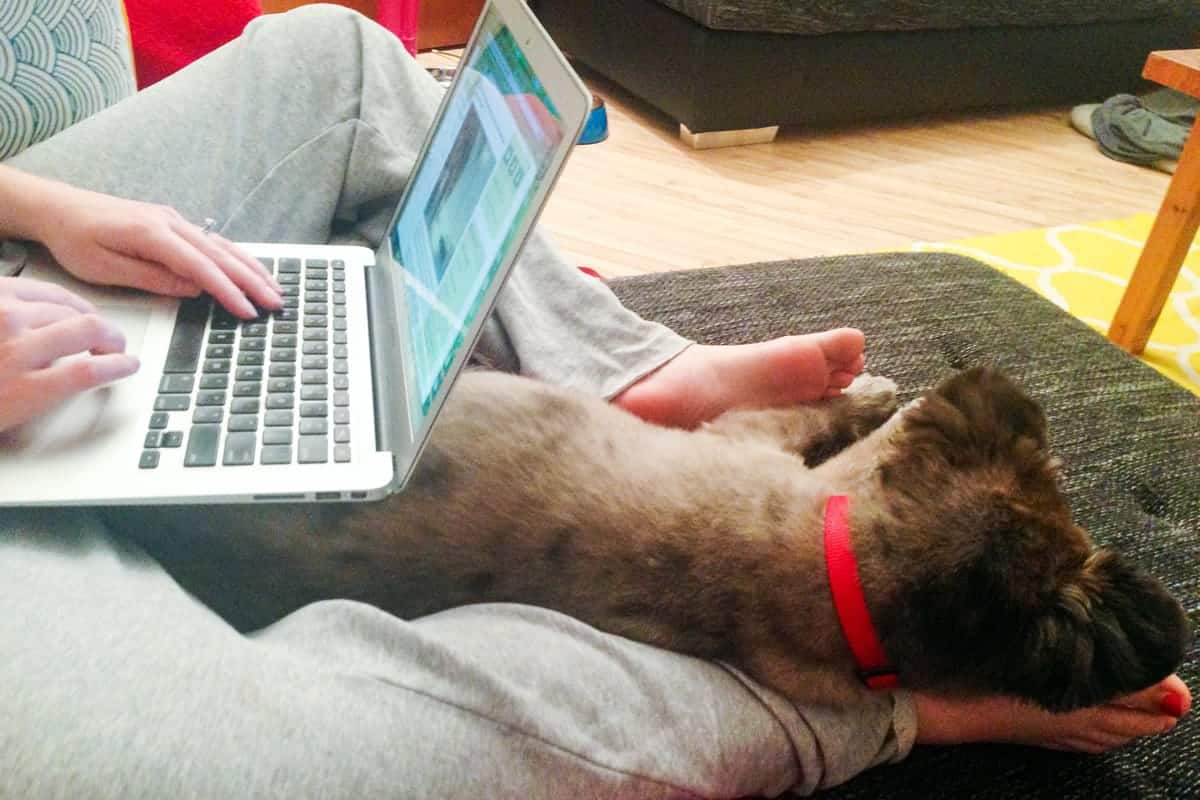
(1172, 704)
(114, 369)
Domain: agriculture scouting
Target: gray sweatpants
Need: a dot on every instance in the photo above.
(116, 683)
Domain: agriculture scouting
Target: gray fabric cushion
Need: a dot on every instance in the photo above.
(1129, 439)
(821, 16)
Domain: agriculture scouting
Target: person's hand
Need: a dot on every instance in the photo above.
(112, 241)
(41, 323)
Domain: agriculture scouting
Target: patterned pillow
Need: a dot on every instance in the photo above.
(60, 61)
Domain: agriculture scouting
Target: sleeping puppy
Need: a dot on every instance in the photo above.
(712, 543)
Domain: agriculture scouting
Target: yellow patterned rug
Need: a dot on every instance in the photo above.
(1083, 269)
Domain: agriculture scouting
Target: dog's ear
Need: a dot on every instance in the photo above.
(1111, 630)
(975, 417)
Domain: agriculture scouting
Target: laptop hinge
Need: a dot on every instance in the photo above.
(392, 432)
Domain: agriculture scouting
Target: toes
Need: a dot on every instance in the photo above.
(843, 348)
(1169, 696)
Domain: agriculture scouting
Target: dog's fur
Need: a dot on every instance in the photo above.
(709, 542)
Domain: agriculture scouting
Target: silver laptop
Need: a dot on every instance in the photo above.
(333, 397)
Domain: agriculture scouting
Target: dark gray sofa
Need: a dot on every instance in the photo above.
(1129, 440)
(716, 65)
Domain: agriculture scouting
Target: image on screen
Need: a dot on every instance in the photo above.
(468, 200)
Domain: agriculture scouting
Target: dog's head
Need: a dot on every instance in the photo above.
(976, 575)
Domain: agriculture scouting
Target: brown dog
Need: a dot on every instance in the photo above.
(710, 543)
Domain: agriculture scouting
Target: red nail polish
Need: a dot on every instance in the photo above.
(1172, 704)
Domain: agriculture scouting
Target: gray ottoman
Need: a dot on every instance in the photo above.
(720, 65)
(1129, 439)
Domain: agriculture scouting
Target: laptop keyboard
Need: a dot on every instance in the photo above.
(272, 390)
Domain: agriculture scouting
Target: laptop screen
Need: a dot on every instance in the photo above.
(468, 199)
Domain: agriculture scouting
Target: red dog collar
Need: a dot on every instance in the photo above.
(848, 598)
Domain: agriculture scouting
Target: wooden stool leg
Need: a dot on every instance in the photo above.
(1161, 258)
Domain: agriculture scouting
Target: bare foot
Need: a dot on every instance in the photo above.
(944, 720)
(704, 380)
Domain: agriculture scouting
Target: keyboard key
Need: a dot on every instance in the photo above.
(158, 420)
(247, 389)
(290, 304)
(283, 355)
(213, 398)
(221, 337)
(256, 345)
(176, 383)
(242, 422)
(315, 362)
(239, 449)
(248, 374)
(222, 320)
(289, 265)
(341, 351)
(214, 381)
(172, 402)
(341, 398)
(316, 263)
(280, 401)
(314, 409)
(314, 377)
(313, 450)
(152, 439)
(339, 286)
(341, 435)
(149, 459)
(288, 278)
(284, 340)
(315, 322)
(286, 327)
(292, 290)
(317, 308)
(250, 359)
(339, 311)
(283, 370)
(341, 366)
(314, 334)
(278, 418)
(267, 262)
(341, 453)
(219, 351)
(313, 426)
(202, 446)
(171, 439)
(208, 414)
(316, 349)
(187, 339)
(276, 454)
(244, 405)
(341, 416)
(254, 329)
(339, 337)
(314, 393)
(339, 298)
(341, 381)
(314, 284)
(276, 436)
(217, 366)
(339, 324)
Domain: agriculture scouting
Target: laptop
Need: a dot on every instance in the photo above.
(333, 397)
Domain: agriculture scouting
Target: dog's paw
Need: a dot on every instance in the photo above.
(868, 385)
(864, 406)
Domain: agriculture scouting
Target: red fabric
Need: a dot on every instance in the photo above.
(170, 34)
(848, 598)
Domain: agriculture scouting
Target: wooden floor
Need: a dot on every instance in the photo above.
(643, 202)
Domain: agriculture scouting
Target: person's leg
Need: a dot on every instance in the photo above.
(119, 684)
(306, 128)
